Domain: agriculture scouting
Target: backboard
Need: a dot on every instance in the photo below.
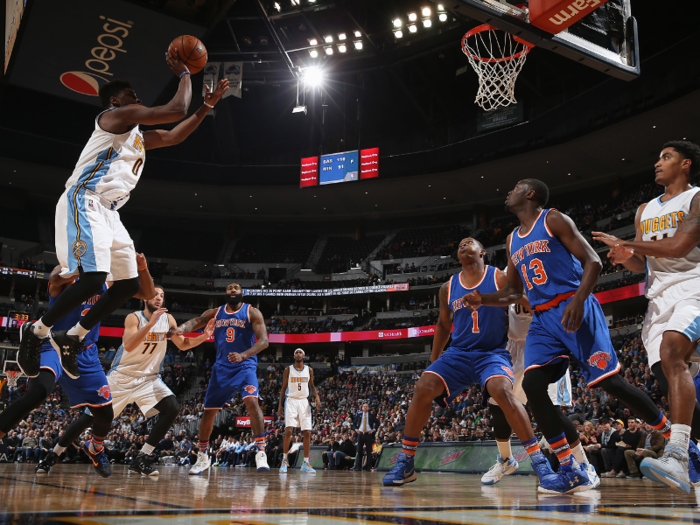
(607, 40)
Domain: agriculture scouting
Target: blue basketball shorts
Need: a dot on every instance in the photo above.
(459, 370)
(696, 380)
(548, 343)
(91, 388)
(226, 381)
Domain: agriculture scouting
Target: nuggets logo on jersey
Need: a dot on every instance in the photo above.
(104, 392)
(79, 248)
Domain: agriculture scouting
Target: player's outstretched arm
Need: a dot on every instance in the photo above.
(147, 288)
(510, 288)
(185, 343)
(133, 335)
(625, 256)
(680, 245)
(193, 324)
(312, 388)
(443, 326)
(261, 343)
(160, 138)
(283, 392)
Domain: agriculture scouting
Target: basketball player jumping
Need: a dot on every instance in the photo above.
(90, 238)
(239, 335)
(667, 249)
(544, 254)
(477, 354)
(297, 383)
(90, 390)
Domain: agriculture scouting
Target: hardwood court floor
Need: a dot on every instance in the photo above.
(238, 496)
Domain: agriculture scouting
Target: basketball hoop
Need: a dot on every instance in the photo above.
(12, 377)
(497, 57)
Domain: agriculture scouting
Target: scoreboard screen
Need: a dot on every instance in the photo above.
(339, 167)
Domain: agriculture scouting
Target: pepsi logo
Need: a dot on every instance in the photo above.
(82, 82)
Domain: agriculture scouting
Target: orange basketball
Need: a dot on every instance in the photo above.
(191, 51)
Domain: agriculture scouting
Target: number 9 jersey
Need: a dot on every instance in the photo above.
(233, 332)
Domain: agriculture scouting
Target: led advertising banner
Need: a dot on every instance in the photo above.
(309, 172)
(325, 292)
(339, 167)
(369, 163)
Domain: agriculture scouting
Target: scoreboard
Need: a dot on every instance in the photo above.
(334, 168)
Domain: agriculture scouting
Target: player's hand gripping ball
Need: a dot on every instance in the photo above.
(190, 51)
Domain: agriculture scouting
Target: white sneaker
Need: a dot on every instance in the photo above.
(592, 474)
(203, 463)
(500, 469)
(261, 462)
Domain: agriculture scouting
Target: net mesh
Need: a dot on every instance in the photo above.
(12, 377)
(497, 58)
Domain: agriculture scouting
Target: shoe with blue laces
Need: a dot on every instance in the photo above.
(570, 478)
(503, 467)
(694, 464)
(592, 474)
(541, 467)
(307, 468)
(404, 472)
(283, 466)
(671, 469)
(99, 460)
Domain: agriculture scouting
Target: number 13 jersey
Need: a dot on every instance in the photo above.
(233, 332)
(147, 358)
(546, 267)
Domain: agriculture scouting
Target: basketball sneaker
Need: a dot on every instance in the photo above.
(283, 466)
(307, 468)
(261, 462)
(693, 464)
(68, 348)
(142, 465)
(503, 467)
(202, 464)
(592, 474)
(671, 469)
(570, 478)
(29, 355)
(404, 472)
(99, 460)
(44, 466)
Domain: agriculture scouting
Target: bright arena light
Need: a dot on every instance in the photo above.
(412, 17)
(342, 36)
(358, 46)
(328, 39)
(397, 22)
(342, 48)
(426, 11)
(329, 50)
(427, 22)
(313, 42)
(313, 76)
(443, 17)
(398, 34)
(358, 34)
(413, 28)
(313, 53)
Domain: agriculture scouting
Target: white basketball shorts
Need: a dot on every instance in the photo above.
(146, 392)
(559, 392)
(92, 236)
(677, 309)
(297, 413)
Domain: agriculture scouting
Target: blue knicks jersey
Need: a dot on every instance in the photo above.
(234, 333)
(546, 267)
(485, 329)
(74, 317)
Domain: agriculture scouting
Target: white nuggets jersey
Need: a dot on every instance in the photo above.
(519, 319)
(110, 164)
(298, 385)
(660, 220)
(147, 358)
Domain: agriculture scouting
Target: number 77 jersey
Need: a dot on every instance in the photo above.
(549, 271)
(147, 358)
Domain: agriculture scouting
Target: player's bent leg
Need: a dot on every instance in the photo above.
(257, 423)
(38, 389)
(429, 387)
(658, 372)
(168, 409)
(101, 425)
(576, 448)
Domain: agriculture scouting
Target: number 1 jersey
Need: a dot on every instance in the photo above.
(233, 332)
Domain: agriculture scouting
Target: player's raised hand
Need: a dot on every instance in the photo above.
(209, 329)
(619, 254)
(235, 357)
(141, 262)
(572, 316)
(172, 58)
(472, 300)
(605, 238)
(155, 315)
(213, 97)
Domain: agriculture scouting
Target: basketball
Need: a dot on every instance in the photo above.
(191, 51)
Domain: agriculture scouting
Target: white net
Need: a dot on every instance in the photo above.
(12, 378)
(497, 58)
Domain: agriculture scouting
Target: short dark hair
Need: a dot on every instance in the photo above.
(541, 191)
(688, 150)
(112, 89)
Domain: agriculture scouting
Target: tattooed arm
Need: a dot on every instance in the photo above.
(680, 245)
(194, 324)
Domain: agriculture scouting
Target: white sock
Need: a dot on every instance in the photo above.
(40, 329)
(58, 449)
(147, 449)
(79, 331)
(579, 454)
(284, 456)
(680, 436)
(504, 449)
(306, 460)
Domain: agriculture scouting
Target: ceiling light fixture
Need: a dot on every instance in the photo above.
(358, 45)
(342, 48)
(443, 17)
(397, 22)
(313, 53)
(358, 34)
(413, 28)
(398, 34)
(329, 50)
(426, 11)
(328, 39)
(427, 22)
(313, 42)
(342, 36)
(412, 17)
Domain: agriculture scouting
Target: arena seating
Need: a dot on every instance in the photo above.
(341, 253)
(280, 248)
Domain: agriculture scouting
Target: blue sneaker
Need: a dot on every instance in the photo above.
(99, 460)
(308, 469)
(671, 469)
(541, 467)
(570, 478)
(694, 464)
(283, 466)
(402, 473)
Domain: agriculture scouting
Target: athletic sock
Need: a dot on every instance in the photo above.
(663, 425)
(680, 436)
(79, 331)
(560, 446)
(306, 460)
(96, 445)
(58, 449)
(203, 445)
(260, 442)
(579, 454)
(40, 329)
(504, 449)
(410, 445)
(532, 447)
(147, 449)
(284, 456)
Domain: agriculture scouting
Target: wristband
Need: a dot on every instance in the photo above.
(208, 105)
(184, 73)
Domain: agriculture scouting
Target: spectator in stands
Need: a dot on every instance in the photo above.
(344, 456)
(651, 445)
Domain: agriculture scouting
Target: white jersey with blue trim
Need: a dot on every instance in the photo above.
(110, 164)
(519, 319)
(147, 358)
(298, 385)
(660, 220)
